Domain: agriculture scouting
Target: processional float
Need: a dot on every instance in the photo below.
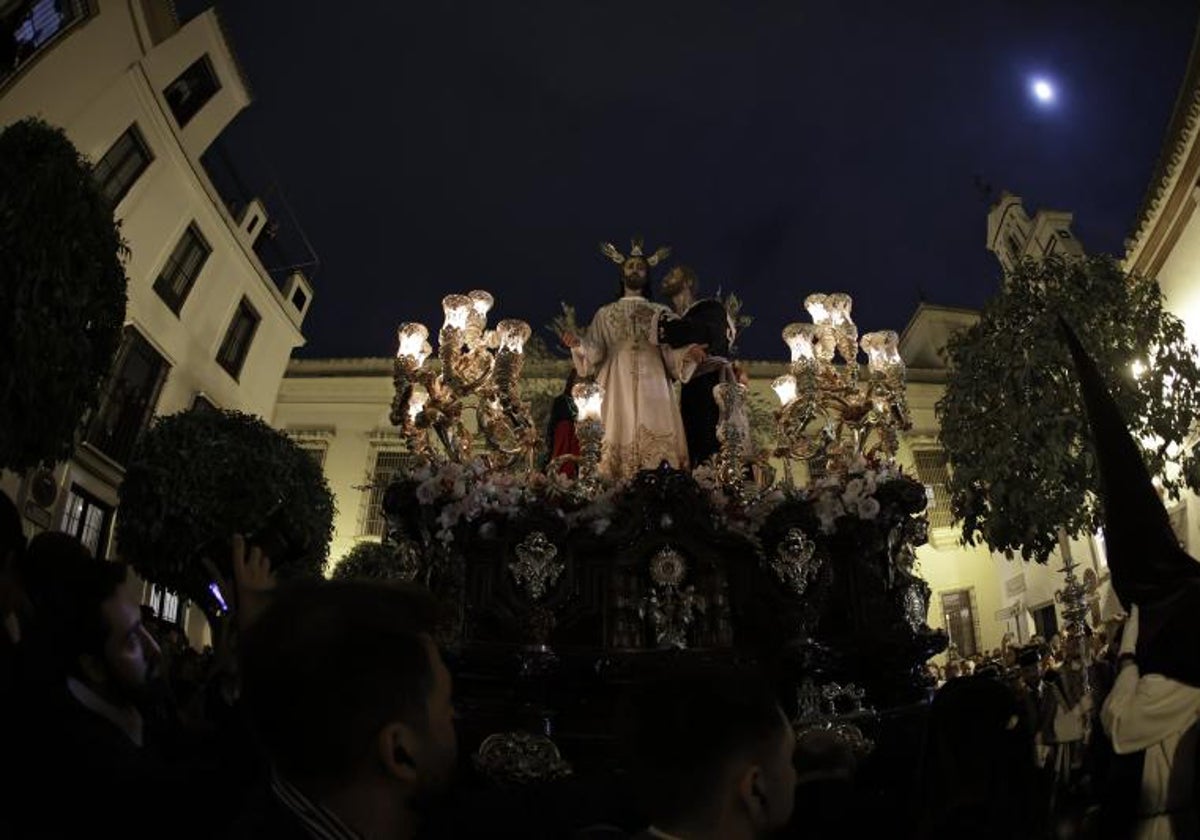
(559, 592)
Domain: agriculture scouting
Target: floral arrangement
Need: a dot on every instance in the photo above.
(453, 497)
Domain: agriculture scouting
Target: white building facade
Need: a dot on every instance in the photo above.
(143, 97)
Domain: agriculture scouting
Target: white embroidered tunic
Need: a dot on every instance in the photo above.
(642, 426)
(1159, 715)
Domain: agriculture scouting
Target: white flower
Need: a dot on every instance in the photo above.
(853, 492)
(828, 508)
(868, 508)
(426, 492)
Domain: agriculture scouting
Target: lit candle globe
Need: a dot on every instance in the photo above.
(785, 388)
(412, 336)
(838, 306)
(481, 302)
(818, 308)
(457, 308)
(799, 339)
(881, 349)
(589, 400)
(513, 334)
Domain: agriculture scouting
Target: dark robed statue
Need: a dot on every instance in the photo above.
(704, 322)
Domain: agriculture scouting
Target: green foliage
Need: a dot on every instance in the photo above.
(1012, 418)
(200, 476)
(62, 293)
(733, 305)
(371, 561)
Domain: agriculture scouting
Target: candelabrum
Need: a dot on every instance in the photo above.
(589, 428)
(473, 362)
(818, 390)
(1074, 599)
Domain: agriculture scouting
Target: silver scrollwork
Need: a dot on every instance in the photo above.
(670, 608)
(537, 567)
(520, 758)
(794, 561)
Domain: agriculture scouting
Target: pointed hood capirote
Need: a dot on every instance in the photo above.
(1148, 566)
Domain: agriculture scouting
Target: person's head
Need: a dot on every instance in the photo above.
(347, 690)
(822, 754)
(968, 667)
(712, 751)
(953, 669)
(92, 621)
(679, 279)
(12, 547)
(635, 273)
(978, 766)
(570, 382)
(1029, 660)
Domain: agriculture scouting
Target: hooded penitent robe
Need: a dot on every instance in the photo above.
(1154, 704)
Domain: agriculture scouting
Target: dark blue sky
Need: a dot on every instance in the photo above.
(780, 147)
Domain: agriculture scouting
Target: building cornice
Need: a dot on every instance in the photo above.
(1180, 137)
(381, 366)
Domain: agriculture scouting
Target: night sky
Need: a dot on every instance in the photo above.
(781, 148)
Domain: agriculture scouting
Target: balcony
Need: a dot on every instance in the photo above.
(280, 244)
(31, 27)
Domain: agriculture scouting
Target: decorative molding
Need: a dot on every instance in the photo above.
(1181, 134)
(384, 437)
(311, 434)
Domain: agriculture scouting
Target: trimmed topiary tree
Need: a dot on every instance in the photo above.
(369, 560)
(200, 476)
(1012, 418)
(62, 293)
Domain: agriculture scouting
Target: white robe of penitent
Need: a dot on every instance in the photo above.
(1161, 716)
(642, 424)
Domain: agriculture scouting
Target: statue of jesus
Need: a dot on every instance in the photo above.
(620, 348)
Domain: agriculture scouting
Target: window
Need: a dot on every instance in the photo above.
(1014, 247)
(129, 397)
(386, 463)
(958, 609)
(236, 344)
(1064, 234)
(933, 470)
(1045, 621)
(26, 34)
(194, 87)
(166, 604)
(182, 268)
(253, 224)
(122, 165)
(87, 519)
(316, 451)
(299, 299)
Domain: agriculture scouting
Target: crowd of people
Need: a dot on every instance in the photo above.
(326, 711)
